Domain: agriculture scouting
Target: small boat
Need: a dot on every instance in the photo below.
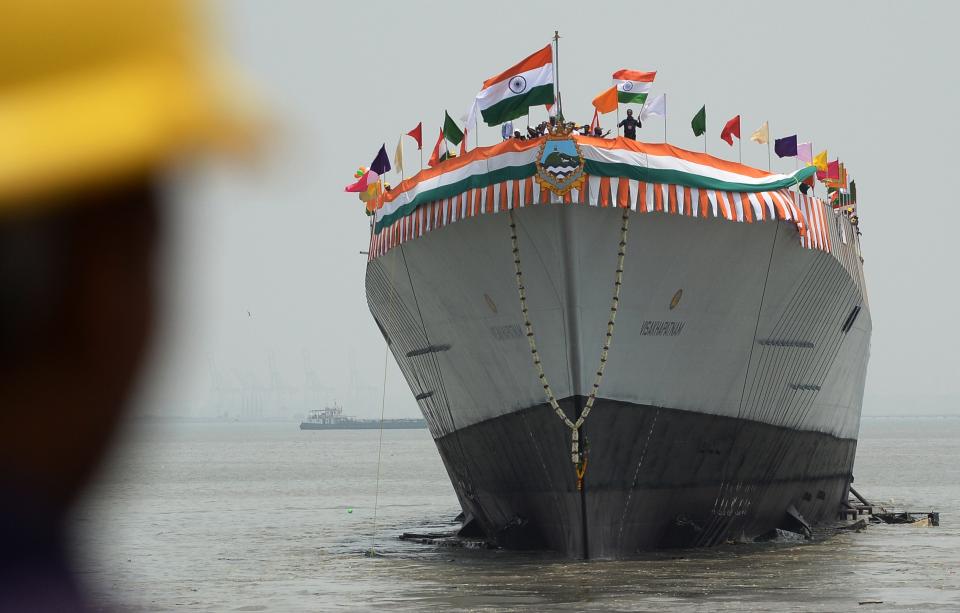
(332, 418)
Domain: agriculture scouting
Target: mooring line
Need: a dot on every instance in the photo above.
(383, 404)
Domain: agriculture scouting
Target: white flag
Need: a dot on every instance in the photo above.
(469, 121)
(398, 157)
(655, 108)
(470, 117)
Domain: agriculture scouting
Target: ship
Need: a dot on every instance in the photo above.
(625, 346)
(332, 418)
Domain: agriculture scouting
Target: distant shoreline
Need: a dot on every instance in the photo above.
(934, 416)
(296, 420)
(232, 420)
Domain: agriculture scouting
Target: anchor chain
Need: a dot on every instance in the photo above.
(578, 459)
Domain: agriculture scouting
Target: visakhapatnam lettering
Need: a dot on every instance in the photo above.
(661, 328)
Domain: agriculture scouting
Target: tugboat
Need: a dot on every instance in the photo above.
(332, 418)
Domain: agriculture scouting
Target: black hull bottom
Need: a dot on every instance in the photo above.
(655, 478)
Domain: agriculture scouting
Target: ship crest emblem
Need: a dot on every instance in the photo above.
(559, 163)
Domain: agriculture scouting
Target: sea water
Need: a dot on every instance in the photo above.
(266, 517)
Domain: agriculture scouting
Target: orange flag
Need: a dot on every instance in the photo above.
(439, 153)
(606, 102)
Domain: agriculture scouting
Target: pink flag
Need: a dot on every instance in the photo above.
(805, 152)
(365, 181)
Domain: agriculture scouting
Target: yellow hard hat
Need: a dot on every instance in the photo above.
(96, 90)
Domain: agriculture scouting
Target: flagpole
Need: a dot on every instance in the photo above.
(421, 152)
(476, 124)
(664, 117)
(814, 188)
(618, 118)
(769, 169)
(740, 148)
(380, 195)
(556, 73)
(446, 145)
(400, 144)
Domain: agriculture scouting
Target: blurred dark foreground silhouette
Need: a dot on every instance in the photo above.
(74, 324)
(97, 101)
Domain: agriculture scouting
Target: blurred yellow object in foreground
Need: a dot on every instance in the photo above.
(92, 91)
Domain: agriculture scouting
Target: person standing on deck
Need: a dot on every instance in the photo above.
(630, 125)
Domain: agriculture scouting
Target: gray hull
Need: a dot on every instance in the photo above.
(716, 413)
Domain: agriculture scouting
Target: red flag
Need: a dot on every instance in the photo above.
(809, 181)
(435, 156)
(731, 129)
(417, 135)
(833, 170)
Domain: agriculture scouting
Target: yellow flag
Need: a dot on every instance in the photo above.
(398, 156)
(820, 160)
(371, 193)
(606, 102)
(762, 134)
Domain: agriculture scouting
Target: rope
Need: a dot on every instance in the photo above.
(383, 404)
(579, 460)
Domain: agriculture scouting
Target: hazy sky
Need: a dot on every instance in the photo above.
(267, 260)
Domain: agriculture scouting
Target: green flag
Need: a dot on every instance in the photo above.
(699, 123)
(853, 192)
(450, 130)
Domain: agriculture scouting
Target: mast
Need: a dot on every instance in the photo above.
(556, 74)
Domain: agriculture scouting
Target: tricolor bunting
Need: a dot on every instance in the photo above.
(620, 172)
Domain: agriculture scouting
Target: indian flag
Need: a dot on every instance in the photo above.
(509, 94)
(633, 85)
